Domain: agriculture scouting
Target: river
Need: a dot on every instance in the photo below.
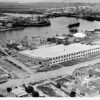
(58, 26)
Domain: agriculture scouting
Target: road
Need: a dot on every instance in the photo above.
(18, 63)
(46, 75)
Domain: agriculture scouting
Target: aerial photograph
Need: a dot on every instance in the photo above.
(49, 48)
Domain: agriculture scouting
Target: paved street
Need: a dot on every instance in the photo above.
(19, 64)
(46, 75)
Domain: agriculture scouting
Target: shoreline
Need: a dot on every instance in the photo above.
(11, 29)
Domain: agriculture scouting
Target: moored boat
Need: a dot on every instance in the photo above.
(74, 25)
(73, 30)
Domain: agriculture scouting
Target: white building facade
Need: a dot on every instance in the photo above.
(60, 53)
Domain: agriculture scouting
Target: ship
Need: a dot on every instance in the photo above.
(32, 24)
(74, 25)
(73, 30)
(39, 23)
(29, 22)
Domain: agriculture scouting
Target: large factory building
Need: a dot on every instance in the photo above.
(48, 56)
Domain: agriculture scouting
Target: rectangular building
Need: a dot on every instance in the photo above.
(60, 53)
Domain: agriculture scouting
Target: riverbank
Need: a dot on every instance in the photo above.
(85, 17)
(11, 29)
(58, 26)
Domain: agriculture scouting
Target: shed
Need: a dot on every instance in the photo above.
(80, 35)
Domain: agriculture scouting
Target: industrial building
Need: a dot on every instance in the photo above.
(80, 35)
(48, 56)
(37, 41)
(19, 92)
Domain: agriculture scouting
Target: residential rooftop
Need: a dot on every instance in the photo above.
(60, 37)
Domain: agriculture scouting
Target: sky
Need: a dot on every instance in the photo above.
(26, 1)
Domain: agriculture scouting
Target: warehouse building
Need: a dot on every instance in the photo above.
(60, 53)
(80, 35)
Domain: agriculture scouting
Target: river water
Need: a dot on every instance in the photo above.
(58, 26)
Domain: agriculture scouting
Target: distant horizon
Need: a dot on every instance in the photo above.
(46, 2)
(58, 1)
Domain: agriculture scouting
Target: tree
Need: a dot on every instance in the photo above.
(9, 89)
(1, 95)
(30, 89)
(26, 89)
(72, 94)
(35, 94)
(58, 85)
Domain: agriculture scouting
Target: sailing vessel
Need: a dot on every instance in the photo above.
(76, 24)
(73, 27)
(73, 30)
